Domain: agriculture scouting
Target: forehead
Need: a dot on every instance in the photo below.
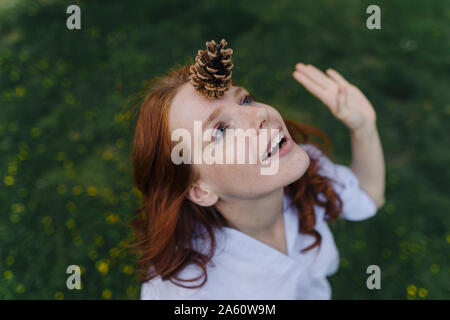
(188, 106)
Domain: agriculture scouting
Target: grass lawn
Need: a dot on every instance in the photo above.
(66, 193)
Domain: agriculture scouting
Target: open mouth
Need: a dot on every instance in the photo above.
(275, 146)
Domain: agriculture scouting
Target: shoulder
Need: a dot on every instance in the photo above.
(310, 148)
(357, 204)
(326, 165)
(159, 289)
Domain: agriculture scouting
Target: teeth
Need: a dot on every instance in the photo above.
(274, 144)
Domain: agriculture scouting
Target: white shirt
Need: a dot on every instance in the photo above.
(245, 268)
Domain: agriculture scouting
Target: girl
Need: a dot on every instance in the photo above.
(224, 231)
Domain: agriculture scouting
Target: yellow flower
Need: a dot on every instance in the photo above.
(41, 148)
(82, 269)
(400, 231)
(60, 156)
(14, 75)
(137, 192)
(22, 155)
(9, 181)
(17, 207)
(120, 143)
(70, 224)
(68, 164)
(344, 262)
(49, 231)
(22, 192)
(131, 291)
(99, 241)
(112, 218)
(114, 252)
(61, 189)
(71, 206)
(69, 99)
(77, 240)
(92, 191)
(93, 254)
(77, 190)
(106, 294)
(20, 288)
(12, 169)
(103, 267)
(47, 220)
(107, 155)
(423, 292)
(435, 268)
(107, 192)
(411, 290)
(70, 173)
(35, 132)
(59, 295)
(43, 64)
(13, 126)
(20, 91)
(118, 117)
(14, 218)
(9, 260)
(8, 274)
(127, 269)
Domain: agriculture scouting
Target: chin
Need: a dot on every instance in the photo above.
(295, 166)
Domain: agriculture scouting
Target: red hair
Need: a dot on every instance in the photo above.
(166, 223)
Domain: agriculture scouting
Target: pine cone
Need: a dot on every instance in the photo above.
(211, 73)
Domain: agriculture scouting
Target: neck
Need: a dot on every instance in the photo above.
(261, 218)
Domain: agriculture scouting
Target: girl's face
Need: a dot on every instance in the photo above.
(236, 109)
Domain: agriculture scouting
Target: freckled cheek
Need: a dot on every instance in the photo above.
(233, 152)
(247, 150)
(228, 177)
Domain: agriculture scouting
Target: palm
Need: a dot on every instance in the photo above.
(346, 102)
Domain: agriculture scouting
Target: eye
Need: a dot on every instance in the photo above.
(220, 129)
(248, 98)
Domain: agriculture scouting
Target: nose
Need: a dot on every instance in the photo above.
(254, 118)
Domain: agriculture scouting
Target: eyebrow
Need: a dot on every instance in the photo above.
(214, 114)
(238, 91)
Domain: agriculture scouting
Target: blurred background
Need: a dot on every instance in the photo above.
(66, 192)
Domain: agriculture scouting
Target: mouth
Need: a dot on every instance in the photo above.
(274, 146)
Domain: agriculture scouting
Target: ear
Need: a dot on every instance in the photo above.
(202, 195)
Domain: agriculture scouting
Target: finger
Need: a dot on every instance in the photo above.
(337, 77)
(309, 84)
(315, 74)
(342, 101)
(320, 76)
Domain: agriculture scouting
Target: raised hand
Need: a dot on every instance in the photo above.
(345, 101)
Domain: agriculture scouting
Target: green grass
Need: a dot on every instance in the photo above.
(66, 193)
